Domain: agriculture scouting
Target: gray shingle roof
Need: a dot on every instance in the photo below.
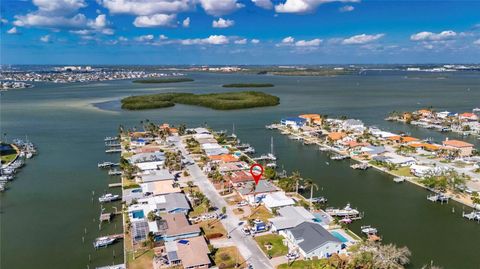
(312, 236)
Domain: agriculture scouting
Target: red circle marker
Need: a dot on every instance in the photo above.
(256, 170)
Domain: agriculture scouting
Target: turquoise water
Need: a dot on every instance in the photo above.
(45, 212)
(138, 214)
(339, 236)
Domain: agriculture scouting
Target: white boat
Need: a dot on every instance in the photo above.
(339, 157)
(114, 172)
(103, 242)
(368, 230)
(110, 138)
(108, 198)
(399, 179)
(360, 166)
(347, 211)
(113, 150)
(319, 200)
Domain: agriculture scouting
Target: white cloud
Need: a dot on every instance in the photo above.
(147, 7)
(429, 36)
(266, 4)
(155, 20)
(99, 22)
(305, 6)
(308, 43)
(255, 41)
(346, 8)
(45, 38)
(81, 32)
(186, 22)
(59, 7)
(288, 40)
(3, 21)
(361, 39)
(211, 40)
(162, 37)
(222, 23)
(39, 20)
(219, 8)
(13, 31)
(477, 42)
(144, 38)
(122, 39)
(241, 41)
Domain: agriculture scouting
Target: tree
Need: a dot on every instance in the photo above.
(270, 173)
(374, 255)
(311, 184)
(224, 210)
(296, 178)
(475, 199)
(181, 129)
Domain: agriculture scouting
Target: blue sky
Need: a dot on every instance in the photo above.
(239, 31)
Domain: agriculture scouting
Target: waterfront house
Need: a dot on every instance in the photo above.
(395, 159)
(190, 253)
(463, 149)
(445, 114)
(201, 130)
(294, 122)
(168, 203)
(312, 241)
(467, 116)
(160, 187)
(216, 151)
(156, 175)
(277, 200)
(425, 113)
(147, 157)
(255, 193)
(289, 217)
(425, 170)
(353, 125)
(172, 227)
(148, 166)
(233, 167)
(336, 136)
(238, 177)
(226, 158)
(371, 151)
(312, 119)
(139, 231)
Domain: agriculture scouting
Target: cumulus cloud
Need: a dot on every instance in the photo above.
(266, 4)
(219, 8)
(211, 40)
(222, 23)
(147, 7)
(241, 41)
(40, 20)
(477, 42)
(429, 36)
(361, 39)
(155, 20)
(186, 22)
(13, 31)
(308, 43)
(3, 21)
(255, 41)
(45, 38)
(346, 9)
(59, 7)
(305, 6)
(288, 40)
(144, 38)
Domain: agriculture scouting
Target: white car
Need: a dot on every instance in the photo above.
(242, 203)
(246, 231)
(293, 256)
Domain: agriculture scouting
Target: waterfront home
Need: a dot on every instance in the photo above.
(353, 125)
(147, 157)
(200, 136)
(168, 203)
(172, 227)
(255, 193)
(160, 187)
(148, 166)
(312, 119)
(425, 170)
(277, 200)
(140, 142)
(312, 241)
(238, 177)
(216, 151)
(207, 146)
(294, 122)
(336, 136)
(209, 140)
(371, 151)
(139, 230)
(395, 159)
(156, 175)
(467, 116)
(381, 134)
(226, 158)
(463, 149)
(189, 253)
(445, 114)
(201, 130)
(233, 167)
(424, 113)
(289, 217)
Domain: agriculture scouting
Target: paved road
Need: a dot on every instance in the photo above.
(245, 244)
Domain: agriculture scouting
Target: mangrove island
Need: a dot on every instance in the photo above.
(219, 101)
(248, 85)
(162, 80)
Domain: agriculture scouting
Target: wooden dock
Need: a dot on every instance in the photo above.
(115, 185)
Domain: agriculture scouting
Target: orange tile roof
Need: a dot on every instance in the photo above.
(457, 144)
(336, 135)
(424, 111)
(310, 116)
(353, 144)
(431, 147)
(227, 158)
(407, 139)
(394, 138)
(467, 115)
(417, 145)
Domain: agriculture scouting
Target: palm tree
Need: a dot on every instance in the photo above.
(311, 184)
(296, 178)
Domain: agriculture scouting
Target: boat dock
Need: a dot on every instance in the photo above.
(438, 197)
(115, 185)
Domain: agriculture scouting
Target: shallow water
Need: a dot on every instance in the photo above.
(49, 205)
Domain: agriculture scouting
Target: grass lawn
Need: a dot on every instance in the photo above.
(278, 249)
(198, 210)
(261, 213)
(402, 171)
(8, 157)
(352, 234)
(311, 264)
(143, 259)
(227, 257)
(211, 227)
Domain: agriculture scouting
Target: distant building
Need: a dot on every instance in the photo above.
(294, 122)
(464, 149)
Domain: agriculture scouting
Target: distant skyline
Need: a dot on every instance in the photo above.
(161, 32)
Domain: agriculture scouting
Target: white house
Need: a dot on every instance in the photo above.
(311, 240)
(276, 200)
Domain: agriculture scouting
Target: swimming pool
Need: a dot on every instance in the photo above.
(339, 236)
(138, 214)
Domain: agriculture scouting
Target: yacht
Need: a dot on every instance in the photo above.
(368, 230)
(108, 197)
(103, 242)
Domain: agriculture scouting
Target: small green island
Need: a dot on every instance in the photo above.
(162, 80)
(248, 85)
(219, 101)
